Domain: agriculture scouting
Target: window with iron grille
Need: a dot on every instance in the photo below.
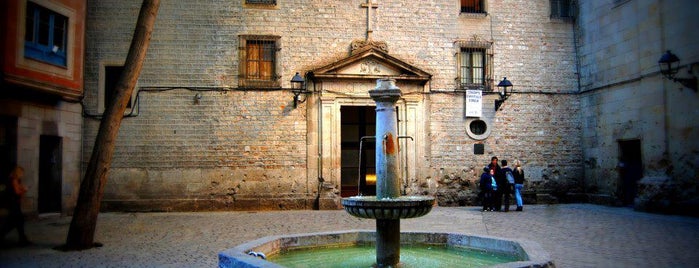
(45, 36)
(261, 2)
(472, 67)
(561, 9)
(473, 6)
(258, 60)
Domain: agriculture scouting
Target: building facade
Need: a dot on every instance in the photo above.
(639, 128)
(42, 84)
(215, 122)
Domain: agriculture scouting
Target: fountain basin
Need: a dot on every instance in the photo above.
(527, 253)
(403, 207)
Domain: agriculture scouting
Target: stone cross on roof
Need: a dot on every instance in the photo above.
(369, 5)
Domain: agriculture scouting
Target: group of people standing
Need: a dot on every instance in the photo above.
(498, 182)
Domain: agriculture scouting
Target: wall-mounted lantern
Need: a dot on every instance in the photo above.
(298, 87)
(502, 92)
(669, 66)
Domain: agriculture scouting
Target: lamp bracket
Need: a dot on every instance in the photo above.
(688, 82)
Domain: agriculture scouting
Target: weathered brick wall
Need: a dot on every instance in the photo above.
(544, 137)
(250, 145)
(539, 123)
(225, 146)
(230, 149)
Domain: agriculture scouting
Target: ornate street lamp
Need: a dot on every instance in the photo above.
(502, 91)
(669, 66)
(298, 87)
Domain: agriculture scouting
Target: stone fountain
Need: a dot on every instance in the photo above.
(388, 206)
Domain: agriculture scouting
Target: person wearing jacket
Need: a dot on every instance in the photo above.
(506, 185)
(518, 173)
(488, 185)
(499, 178)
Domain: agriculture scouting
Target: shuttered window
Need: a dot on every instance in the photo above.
(258, 61)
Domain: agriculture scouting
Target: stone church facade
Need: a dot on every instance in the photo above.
(216, 124)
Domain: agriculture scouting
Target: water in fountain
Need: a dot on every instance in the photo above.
(412, 255)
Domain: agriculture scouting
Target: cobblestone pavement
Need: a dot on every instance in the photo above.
(575, 235)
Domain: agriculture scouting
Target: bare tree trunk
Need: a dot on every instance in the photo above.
(82, 227)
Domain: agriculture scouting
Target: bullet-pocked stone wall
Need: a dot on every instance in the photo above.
(626, 98)
(539, 122)
(247, 149)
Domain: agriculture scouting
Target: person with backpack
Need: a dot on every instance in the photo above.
(519, 184)
(507, 183)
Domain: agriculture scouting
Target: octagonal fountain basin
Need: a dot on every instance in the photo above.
(402, 207)
(356, 249)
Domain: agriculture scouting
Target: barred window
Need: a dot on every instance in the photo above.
(473, 6)
(261, 2)
(561, 9)
(258, 60)
(472, 67)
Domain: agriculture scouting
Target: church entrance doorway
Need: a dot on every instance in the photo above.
(358, 170)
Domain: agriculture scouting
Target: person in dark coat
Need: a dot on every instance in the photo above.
(507, 185)
(486, 183)
(499, 178)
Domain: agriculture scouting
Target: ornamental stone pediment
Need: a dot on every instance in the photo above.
(371, 62)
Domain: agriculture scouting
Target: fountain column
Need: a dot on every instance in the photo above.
(387, 181)
(388, 206)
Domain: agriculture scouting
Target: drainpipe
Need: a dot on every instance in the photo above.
(320, 146)
(577, 70)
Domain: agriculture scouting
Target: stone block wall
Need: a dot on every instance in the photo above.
(538, 125)
(34, 119)
(248, 149)
(224, 147)
(545, 138)
(626, 98)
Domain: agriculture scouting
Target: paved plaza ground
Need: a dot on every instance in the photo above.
(575, 235)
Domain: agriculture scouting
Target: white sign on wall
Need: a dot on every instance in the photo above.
(474, 103)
